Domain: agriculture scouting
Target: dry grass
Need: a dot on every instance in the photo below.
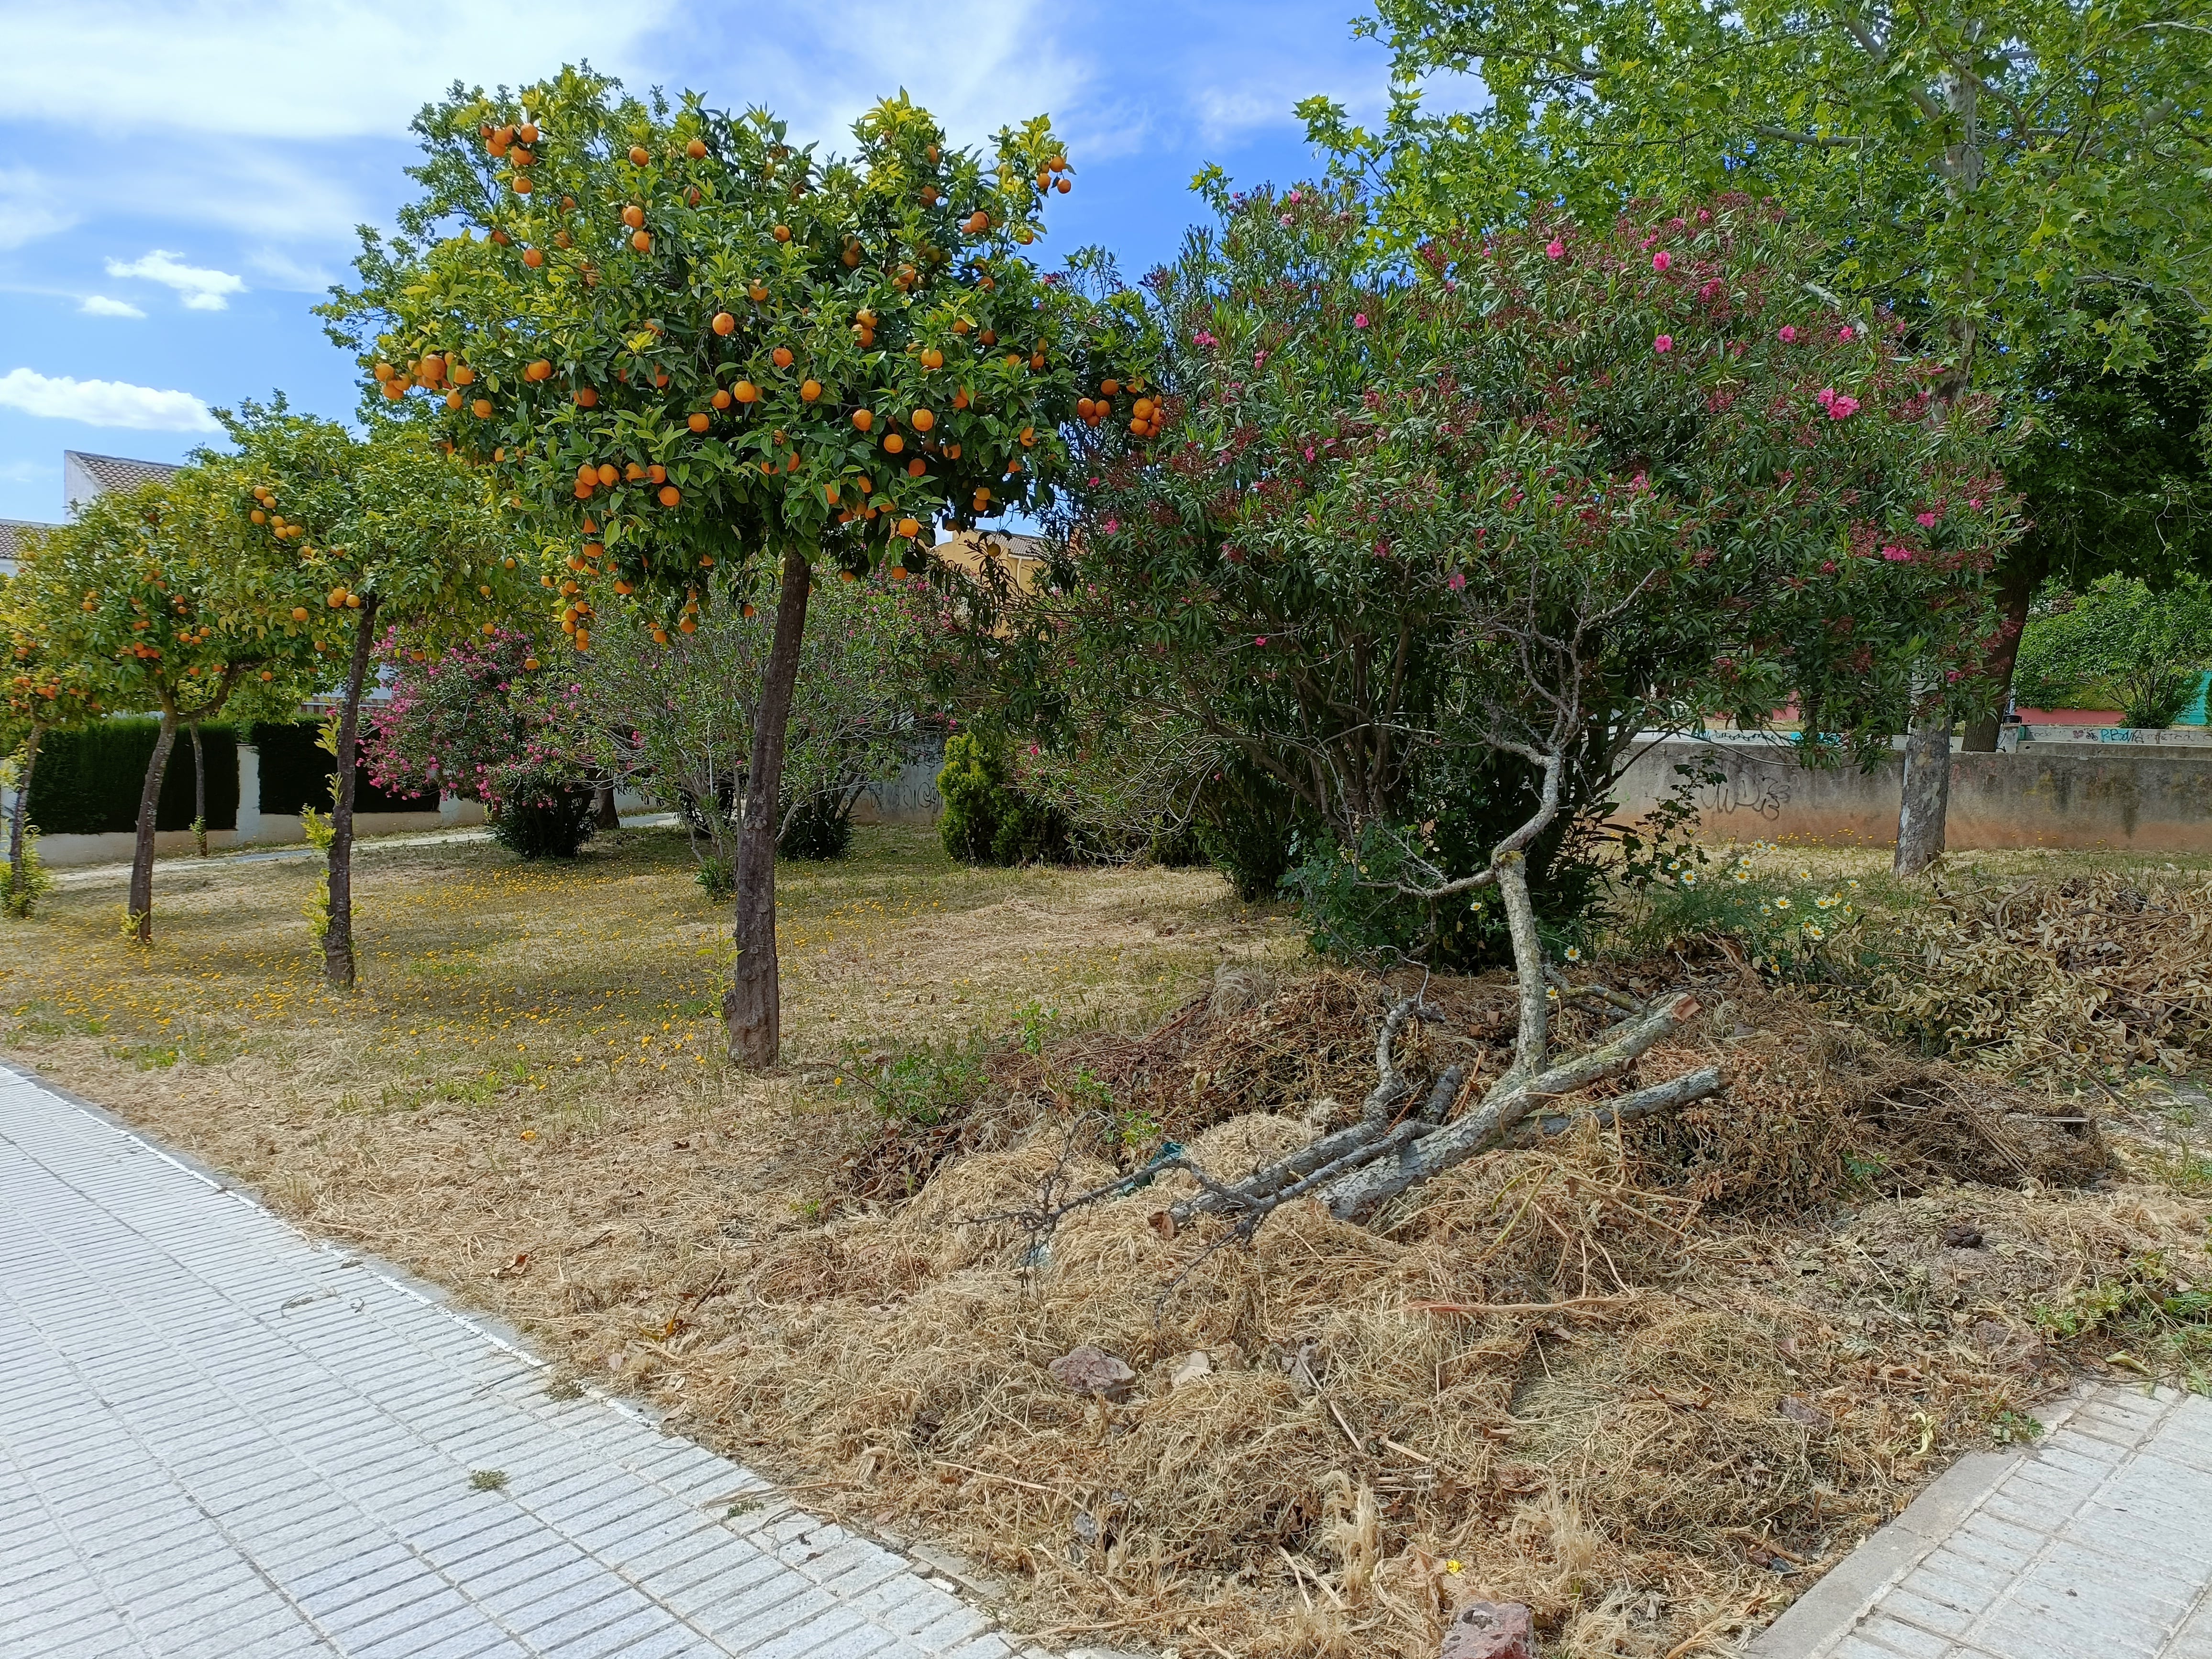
(1649, 1386)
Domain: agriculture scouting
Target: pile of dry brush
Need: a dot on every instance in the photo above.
(1648, 1380)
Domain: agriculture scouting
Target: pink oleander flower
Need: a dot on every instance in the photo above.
(1662, 260)
(1845, 332)
(1843, 408)
(1554, 249)
(1897, 555)
(1926, 520)
(1112, 526)
(1457, 580)
(1788, 334)
(1824, 396)
(1360, 320)
(1664, 344)
(1263, 640)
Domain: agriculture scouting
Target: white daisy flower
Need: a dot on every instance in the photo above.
(1782, 904)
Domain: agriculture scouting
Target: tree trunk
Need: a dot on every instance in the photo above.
(604, 814)
(338, 937)
(2015, 590)
(750, 1009)
(18, 877)
(200, 792)
(142, 852)
(1927, 801)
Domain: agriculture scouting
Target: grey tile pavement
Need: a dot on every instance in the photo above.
(219, 1439)
(2097, 1541)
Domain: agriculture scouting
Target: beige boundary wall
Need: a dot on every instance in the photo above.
(2151, 798)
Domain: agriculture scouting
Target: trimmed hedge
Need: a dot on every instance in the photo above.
(296, 774)
(88, 780)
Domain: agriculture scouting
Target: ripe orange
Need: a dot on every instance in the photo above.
(641, 241)
(696, 150)
(829, 494)
(720, 399)
(533, 258)
(976, 222)
(699, 422)
(452, 400)
(1037, 360)
(528, 132)
(1143, 411)
(1110, 387)
(634, 216)
(522, 184)
(299, 613)
(395, 390)
(863, 420)
(953, 451)
(542, 369)
(909, 527)
(587, 398)
(1063, 187)
(916, 467)
(660, 636)
(897, 572)
(482, 409)
(924, 420)
(502, 238)
(780, 356)
(758, 293)
(1083, 407)
(749, 610)
(893, 443)
(932, 358)
(960, 400)
(259, 516)
(781, 233)
(670, 494)
(745, 392)
(606, 473)
(989, 336)
(1029, 437)
(529, 663)
(639, 155)
(657, 474)
(810, 390)
(687, 626)
(462, 374)
(723, 323)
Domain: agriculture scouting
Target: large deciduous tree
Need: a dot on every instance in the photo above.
(390, 531)
(2009, 177)
(708, 363)
(157, 595)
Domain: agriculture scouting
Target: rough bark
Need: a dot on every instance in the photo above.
(752, 1009)
(200, 792)
(18, 814)
(2015, 590)
(141, 904)
(338, 937)
(1927, 798)
(604, 814)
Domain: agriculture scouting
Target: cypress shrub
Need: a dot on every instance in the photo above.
(88, 780)
(296, 771)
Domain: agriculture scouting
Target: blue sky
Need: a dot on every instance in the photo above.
(179, 182)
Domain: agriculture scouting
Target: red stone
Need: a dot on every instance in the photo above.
(1490, 1630)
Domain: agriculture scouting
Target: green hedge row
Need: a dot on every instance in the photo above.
(88, 781)
(296, 774)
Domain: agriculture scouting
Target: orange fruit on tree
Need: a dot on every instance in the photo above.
(758, 293)
(780, 356)
(863, 420)
(1029, 437)
(528, 132)
(639, 155)
(909, 527)
(745, 392)
(1063, 187)
(916, 467)
(810, 390)
(634, 217)
(587, 398)
(660, 636)
(462, 374)
(781, 233)
(687, 626)
(606, 473)
(960, 400)
(482, 409)
(893, 443)
(720, 399)
(259, 516)
(529, 663)
(670, 494)
(932, 358)
(699, 422)
(924, 420)
(897, 572)
(657, 474)
(533, 258)
(452, 400)
(1110, 387)
(641, 241)
(723, 323)
(748, 609)
(299, 613)
(696, 150)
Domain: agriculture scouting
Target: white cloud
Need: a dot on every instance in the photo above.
(289, 69)
(286, 272)
(103, 402)
(202, 288)
(28, 207)
(98, 304)
(26, 471)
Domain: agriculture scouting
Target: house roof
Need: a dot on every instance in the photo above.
(105, 472)
(10, 538)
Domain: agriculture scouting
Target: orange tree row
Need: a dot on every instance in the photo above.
(702, 362)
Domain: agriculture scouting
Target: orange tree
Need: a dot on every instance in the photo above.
(152, 595)
(394, 535)
(40, 688)
(707, 363)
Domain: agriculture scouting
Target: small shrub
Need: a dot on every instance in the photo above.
(1789, 927)
(987, 822)
(37, 880)
(928, 1086)
(715, 876)
(820, 828)
(555, 824)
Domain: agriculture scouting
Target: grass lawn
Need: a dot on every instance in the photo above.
(526, 1102)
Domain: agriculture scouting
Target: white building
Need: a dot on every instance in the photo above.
(83, 476)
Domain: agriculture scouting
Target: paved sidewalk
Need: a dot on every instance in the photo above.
(2098, 1542)
(219, 1439)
